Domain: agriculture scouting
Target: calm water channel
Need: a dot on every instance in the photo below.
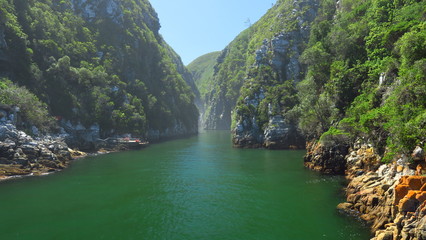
(196, 188)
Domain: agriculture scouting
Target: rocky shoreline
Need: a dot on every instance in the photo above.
(22, 155)
(390, 197)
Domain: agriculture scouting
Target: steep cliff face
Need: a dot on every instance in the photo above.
(255, 78)
(227, 80)
(99, 62)
(276, 68)
(266, 52)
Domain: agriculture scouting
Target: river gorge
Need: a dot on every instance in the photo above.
(194, 188)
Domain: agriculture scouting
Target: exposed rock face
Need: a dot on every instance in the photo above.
(280, 57)
(20, 154)
(218, 108)
(91, 10)
(418, 154)
(218, 116)
(78, 136)
(280, 135)
(277, 134)
(286, 48)
(247, 134)
(327, 159)
(235, 68)
(387, 196)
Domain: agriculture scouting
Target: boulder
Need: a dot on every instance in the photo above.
(346, 206)
(8, 131)
(418, 154)
(386, 235)
(20, 154)
(408, 205)
(327, 159)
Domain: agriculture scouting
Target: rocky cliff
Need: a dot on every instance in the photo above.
(266, 55)
(390, 197)
(261, 118)
(359, 108)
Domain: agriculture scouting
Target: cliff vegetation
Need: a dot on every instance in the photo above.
(96, 63)
(324, 69)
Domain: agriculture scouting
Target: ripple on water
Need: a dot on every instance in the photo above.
(196, 188)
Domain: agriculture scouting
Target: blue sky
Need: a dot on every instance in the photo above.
(196, 27)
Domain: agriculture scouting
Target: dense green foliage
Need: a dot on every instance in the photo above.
(97, 62)
(367, 74)
(363, 72)
(30, 107)
(236, 66)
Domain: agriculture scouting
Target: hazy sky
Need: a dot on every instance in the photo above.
(196, 27)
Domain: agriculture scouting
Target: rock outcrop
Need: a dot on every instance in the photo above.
(390, 197)
(276, 62)
(278, 134)
(249, 60)
(20, 154)
(328, 159)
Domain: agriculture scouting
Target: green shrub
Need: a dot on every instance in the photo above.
(32, 110)
(334, 136)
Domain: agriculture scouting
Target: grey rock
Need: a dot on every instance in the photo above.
(387, 235)
(8, 131)
(418, 154)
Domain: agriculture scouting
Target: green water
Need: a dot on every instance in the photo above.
(197, 188)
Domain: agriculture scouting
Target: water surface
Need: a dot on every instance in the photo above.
(196, 188)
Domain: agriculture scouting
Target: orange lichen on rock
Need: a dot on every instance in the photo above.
(400, 191)
(410, 193)
(421, 196)
(423, 188)
(416, 182)
(419, 169)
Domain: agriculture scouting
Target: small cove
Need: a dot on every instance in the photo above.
(195, 188)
